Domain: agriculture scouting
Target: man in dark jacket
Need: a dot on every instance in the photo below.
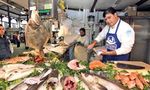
(5, 50)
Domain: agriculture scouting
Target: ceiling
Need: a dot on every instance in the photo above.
(142, 5)
(16, 6)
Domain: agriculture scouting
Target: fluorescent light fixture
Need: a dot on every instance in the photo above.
(22, 12)
(5, 19)
(13, 21)
(24, 22)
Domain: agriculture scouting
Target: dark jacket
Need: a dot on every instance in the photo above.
(4, 48)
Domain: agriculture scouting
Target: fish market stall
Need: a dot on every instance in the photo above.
(46, 68)
(56, 74)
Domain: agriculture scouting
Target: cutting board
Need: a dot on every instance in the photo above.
(137, 63)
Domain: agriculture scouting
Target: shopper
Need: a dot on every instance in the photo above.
(5, 45)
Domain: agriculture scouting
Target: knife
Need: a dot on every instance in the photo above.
(128, 66)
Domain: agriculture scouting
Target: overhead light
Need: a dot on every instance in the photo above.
(13, 21)
(5, 19)
(24, 22)
(23, 12)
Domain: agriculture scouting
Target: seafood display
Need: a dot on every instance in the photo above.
(12, 72)
(54, 74)
(96, 83)
(132, 80)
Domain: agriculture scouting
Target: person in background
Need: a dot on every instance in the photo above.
(5, 45)
(119, 37)
(18, 39)
(81, 39)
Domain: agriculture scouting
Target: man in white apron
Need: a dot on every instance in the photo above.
(119, 37)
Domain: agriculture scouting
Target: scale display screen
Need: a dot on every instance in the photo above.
(46, 8)
(43, 6)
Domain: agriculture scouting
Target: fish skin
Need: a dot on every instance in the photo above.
(92, 85)
(2, 72)
(59, 86)
(21, 74)
(53, 81)
(107, 84)
(35, 86)
(21, 86)
(36, 34)
(52, 77)
(85, 86)
(47, 73)
(43, 86)
(10, 67)
(43, 77)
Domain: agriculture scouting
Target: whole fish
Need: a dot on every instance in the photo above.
(92, 84)
(15, 71)
(36, 35)
(101, 83)
(11, 67)
(51, 82)
(20, 74)
(21, 86)
(33, 83)
(44, 80)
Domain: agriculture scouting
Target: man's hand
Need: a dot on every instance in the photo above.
(105, 52)
(91, 45)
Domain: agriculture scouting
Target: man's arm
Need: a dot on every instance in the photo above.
(105, 52)
(92, 44)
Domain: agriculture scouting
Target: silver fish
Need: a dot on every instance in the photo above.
(25, 85)
(44, 80)
(51, 82)
(21, 86)
(81, 83)
(101, 83)
(11, 67)
(92, 84)
(16, 71)
(20, 74)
